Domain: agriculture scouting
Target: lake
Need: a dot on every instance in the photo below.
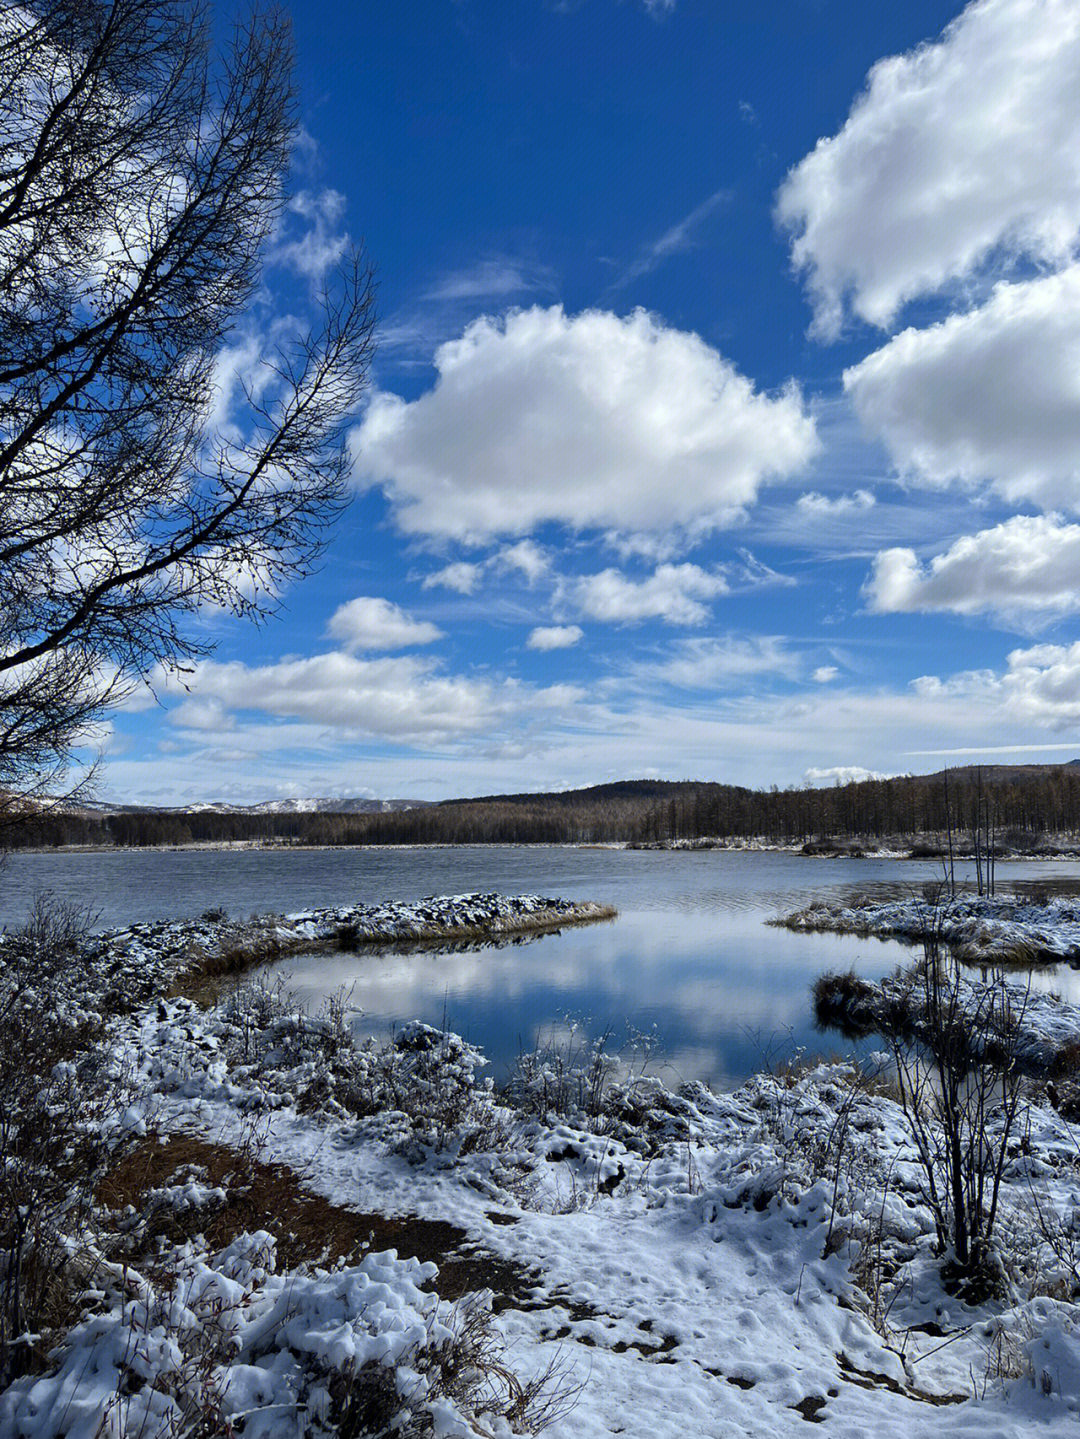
(689, 962)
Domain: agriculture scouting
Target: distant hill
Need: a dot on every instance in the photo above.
(1030, 807)
(632, 791)
(999, 773)
(616, 790)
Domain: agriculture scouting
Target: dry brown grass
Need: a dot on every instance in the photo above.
(307, 1227)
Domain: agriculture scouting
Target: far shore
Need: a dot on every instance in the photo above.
(919, 848)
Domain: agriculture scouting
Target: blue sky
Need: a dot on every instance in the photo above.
(726, 417)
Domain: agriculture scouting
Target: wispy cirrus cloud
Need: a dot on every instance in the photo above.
(411, 334)
(657, 9)
(720, 660)
(678, 237)
(311, 239)
(497, 277)
(336, 723)
(401, 699)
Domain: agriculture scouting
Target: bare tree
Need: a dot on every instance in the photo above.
(955, 1049)
(141, 179)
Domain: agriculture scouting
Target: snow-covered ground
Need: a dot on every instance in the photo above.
(701, 1265)
(1004, 928)
(145, 959)
(694, 1269)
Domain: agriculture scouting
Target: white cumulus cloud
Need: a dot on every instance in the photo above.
(592, 421)
(991, 394)
(953, 151)
(372, 623)
(1042, 685)
(1025, 564)
(1039, 689)
(841, 774)
(461, 576)
(554, 637)
(674, 593)
(818, 506)
(525, 557)
(400, 699)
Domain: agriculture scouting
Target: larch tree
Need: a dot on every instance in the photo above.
(142, 178)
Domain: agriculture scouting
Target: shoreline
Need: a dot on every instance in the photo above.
(188, 957)
(709, 1262)
(885, 850)
(1024, 931)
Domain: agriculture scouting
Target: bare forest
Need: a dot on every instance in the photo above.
(1028, 809)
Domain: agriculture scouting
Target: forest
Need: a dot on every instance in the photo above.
(1023, 805)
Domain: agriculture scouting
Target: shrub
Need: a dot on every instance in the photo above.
(359, 1350)
(60, 1103)
(564, 1077)
(845, 1002)
(962, 1111)
(429, 1076)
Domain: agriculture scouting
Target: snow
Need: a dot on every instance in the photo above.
(133, 964)
(702, 1264)
(236, 1341)
(981, 929)
(1039, 1029)
(698, 1292)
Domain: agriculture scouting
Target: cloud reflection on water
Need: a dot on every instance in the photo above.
(690, 951)
(721, 987)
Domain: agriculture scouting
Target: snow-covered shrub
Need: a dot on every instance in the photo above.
(233, 1347)
(564, 1077)
(957, 1048)
(428, 1075)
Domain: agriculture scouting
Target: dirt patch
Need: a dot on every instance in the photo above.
(810, 1408)
(256, 1196)
(307, 1227)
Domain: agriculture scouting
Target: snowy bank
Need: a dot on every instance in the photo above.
(690, 1263)
(1003, 929)
(1040, 1032)
(704, 1264)
(126, 966)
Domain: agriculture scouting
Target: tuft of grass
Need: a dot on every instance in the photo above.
(845, 1002)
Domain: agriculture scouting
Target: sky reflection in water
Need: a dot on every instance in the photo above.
(690, 952)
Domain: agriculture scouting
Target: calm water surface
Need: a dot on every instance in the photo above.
(690, 958)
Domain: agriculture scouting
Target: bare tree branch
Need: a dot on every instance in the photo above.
(140, 179)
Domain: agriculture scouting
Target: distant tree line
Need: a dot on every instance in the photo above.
(1024, 802)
